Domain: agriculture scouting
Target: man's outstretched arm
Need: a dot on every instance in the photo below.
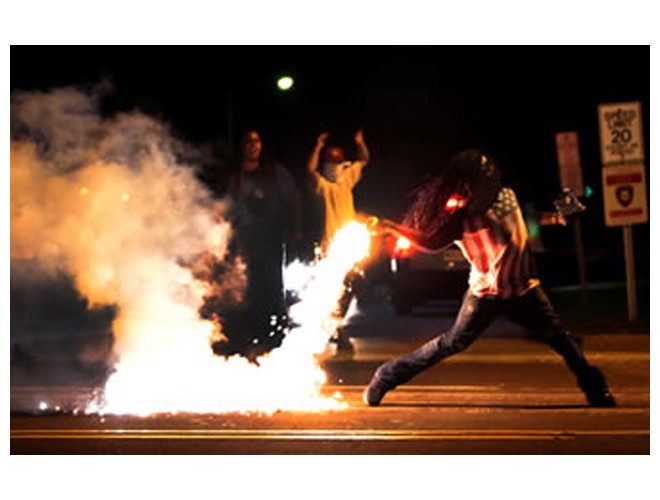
(313, 162)
(362, 149)
(419, 239)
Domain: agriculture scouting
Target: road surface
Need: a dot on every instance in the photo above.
(502, 396)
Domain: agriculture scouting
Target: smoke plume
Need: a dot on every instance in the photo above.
(107, 201)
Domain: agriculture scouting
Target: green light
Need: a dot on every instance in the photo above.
(285, 83)
(588, 191)
(534, 230)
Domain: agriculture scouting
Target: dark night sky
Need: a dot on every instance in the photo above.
(418, 105)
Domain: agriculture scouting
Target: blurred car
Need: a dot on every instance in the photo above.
(405, 277)
(420, 277)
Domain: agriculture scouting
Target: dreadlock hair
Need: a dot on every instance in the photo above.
(470, 175)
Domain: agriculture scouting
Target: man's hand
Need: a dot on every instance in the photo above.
(386, 226)
(372, 222)
(313, 162)
(376, 224)
(322, 139)
(362, 149)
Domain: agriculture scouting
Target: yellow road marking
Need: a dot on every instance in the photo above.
(324, 434)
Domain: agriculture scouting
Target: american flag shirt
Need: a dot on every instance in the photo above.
(497, 247)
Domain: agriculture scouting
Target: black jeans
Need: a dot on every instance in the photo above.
(353, 283)
(531, 310)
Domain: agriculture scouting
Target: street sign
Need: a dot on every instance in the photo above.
(570, 176)
(624, 182)
(568, 159)
(624, 194)
(621, 138)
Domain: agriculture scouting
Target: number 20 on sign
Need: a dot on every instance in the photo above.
(621, 136)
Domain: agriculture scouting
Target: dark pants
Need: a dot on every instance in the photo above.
(353, 283)
(531, 310)
(257, 325)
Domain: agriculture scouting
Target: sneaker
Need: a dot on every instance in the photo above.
(601, 398)
(594, 386)
(343, 344)
(374, 392)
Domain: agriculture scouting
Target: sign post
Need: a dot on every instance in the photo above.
(630, 272)
(570, 176)
(624, 179)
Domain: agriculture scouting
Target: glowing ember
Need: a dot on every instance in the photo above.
(403, 243)
(403, 247)
(454, 203)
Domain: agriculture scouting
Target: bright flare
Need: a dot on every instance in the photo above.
(170, 368)
(403, 243)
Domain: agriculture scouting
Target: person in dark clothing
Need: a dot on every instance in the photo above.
(468, 206)
(264, 210)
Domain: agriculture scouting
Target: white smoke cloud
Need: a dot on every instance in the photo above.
(106, 201)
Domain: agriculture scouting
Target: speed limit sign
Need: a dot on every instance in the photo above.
(624, 186)
(621, 139)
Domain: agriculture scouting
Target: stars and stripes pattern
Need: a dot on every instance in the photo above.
(496, 245)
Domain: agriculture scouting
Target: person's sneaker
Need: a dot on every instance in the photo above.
(374, 392)
(343, 344)
(601, 398)
(595, 389)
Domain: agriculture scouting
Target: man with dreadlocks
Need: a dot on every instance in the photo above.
(467, 205)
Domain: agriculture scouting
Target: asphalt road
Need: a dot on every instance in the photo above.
(502, 396)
